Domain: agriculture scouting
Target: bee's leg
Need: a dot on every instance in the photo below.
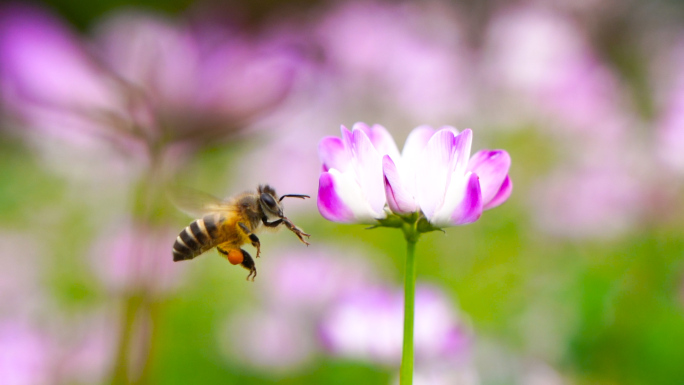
(248, 263)
(252, 237)
(275, 223)
(299, 232)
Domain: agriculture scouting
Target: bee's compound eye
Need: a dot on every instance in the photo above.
(268, 200)
(235, 257)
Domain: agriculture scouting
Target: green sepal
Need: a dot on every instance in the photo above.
(424, 226)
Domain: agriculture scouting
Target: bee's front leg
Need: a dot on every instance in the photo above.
(298, 232)
(284, 221)
(252, 237)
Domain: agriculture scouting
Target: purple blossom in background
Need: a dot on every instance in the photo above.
(311, 281)
(279, 341)
(446, 374)
(670, 134)
(363, 172)
(280, 335)
(545, 65)
(146, 81)
(65, 351)
(368, 326)
(53, 85)
(25, 354)
(200, 80)
(85, 345)
(409, 58)
(318, 302)
(589, 202)
(132, 256)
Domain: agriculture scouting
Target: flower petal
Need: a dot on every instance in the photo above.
(346, 137)
(333, 154)
(398, 198)
(367, 163)
(501, 196)
(383, 141)
(413, 148)
(434, 170)
(492, 167)
(340, 199)
(463, 202)
(416, 142)
(462, 144)
(330, 204)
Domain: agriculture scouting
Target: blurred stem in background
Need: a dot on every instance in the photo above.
(140, 310)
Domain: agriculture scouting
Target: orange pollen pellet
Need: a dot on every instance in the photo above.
(235, 257)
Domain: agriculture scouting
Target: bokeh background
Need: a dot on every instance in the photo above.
(109, 105)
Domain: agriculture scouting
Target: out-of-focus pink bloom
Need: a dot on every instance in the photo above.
(278, 341)
(21, 292)
(363, 172)
(52, 84)
(589, 202)
(300, 288)
(542, 60)
(538, 373)
(152, 82)
(85, 346)
(410, 57)
(368, 326)
(311, 281)
(670, 135)
(25, 354)
(445, 374)
(201, 81)
(73, 350)
(131, 256)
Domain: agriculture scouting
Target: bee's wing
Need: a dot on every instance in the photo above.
(196, 203)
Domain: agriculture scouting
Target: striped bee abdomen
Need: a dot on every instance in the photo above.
(200, 236)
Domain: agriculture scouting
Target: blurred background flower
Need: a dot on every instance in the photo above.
(104, 106)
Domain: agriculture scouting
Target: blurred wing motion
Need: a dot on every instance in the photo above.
(196, 203)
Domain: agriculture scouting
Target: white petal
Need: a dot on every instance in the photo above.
(344, 201)
(367, 164)
(462, 144)
(398, 198)
(434, 171)
(463, 202)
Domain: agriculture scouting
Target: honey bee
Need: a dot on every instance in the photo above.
(229, 224)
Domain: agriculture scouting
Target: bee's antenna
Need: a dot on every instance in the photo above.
(293, 196)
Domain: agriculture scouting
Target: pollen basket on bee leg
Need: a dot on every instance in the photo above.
(235, 257)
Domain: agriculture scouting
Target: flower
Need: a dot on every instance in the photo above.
(52, 84)
(300, 287)
(541, 64)
(368, 326)
(268, 338)
(203, 80)
(364, 174)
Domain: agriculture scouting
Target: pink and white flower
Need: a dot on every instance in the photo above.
(364, 175)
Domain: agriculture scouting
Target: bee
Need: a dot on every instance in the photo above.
(231, 223)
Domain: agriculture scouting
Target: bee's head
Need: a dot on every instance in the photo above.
(270, 204)
(268, 201)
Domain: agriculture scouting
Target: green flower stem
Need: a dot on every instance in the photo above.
(411, 234)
